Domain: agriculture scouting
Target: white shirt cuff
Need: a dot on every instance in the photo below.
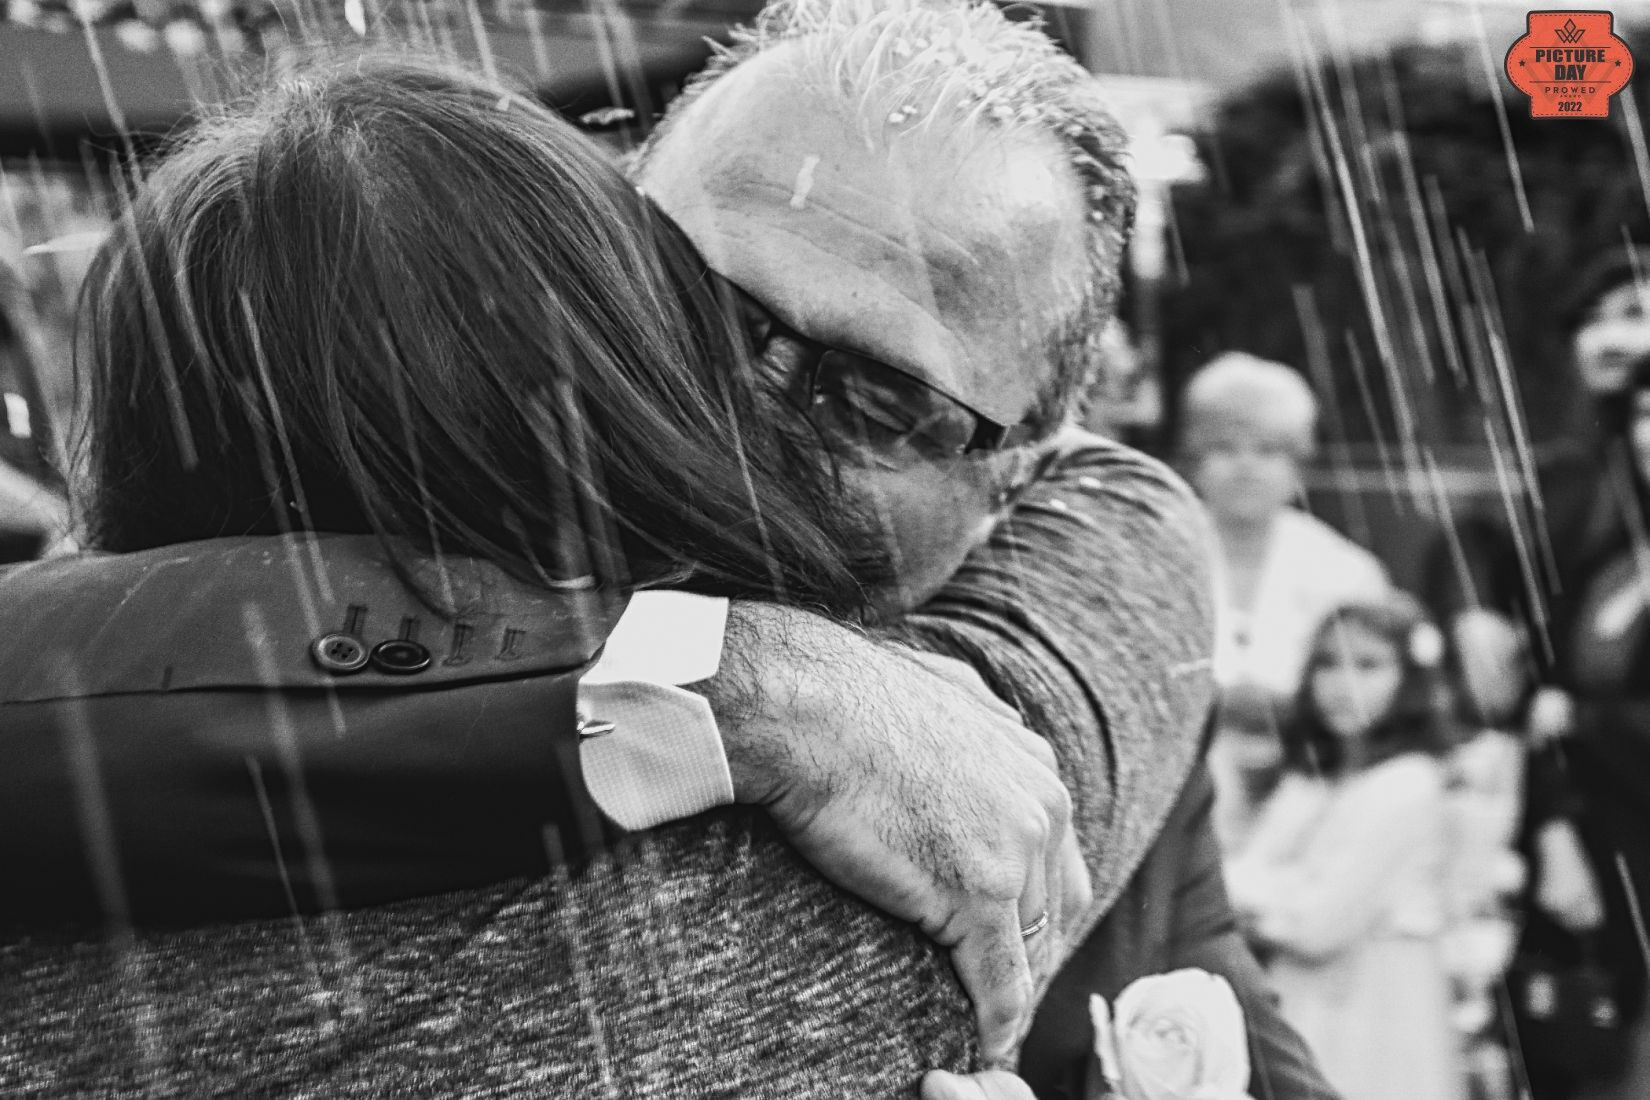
(663, 759)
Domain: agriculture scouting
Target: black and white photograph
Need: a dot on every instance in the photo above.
(825, 549)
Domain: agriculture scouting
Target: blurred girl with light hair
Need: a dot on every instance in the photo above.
(1247, 429)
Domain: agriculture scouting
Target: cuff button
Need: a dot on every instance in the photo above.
(339, 654)
(400, 657)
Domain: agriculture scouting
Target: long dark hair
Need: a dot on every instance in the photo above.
(1416, 722)
(389, 296)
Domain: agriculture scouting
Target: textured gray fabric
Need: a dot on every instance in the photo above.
(709, 961)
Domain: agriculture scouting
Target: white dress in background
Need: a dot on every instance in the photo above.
(1347, 879)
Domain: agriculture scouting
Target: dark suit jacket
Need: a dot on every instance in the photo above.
(174, 752)
(1173, 914)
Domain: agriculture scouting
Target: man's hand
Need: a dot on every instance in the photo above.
(993, 1084)
(917, 790)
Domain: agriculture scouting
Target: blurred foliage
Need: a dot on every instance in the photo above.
(1269, 242)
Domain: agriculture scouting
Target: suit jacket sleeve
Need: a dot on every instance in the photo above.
(174, 752)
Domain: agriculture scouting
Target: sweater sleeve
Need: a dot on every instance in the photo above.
(1090, 609)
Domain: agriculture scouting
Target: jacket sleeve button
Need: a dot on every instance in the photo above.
(400, 657)
(339, 654)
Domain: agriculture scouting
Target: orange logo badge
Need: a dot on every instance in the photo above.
(1569, 63)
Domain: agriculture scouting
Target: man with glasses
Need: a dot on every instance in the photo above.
(924, 212)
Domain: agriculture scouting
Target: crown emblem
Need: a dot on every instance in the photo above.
(1569, 32)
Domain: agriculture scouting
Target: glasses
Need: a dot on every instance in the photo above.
(852, 396)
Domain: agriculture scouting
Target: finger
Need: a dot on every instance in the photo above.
(992, 1084)
(1076, 891)
(1035, 902)
(1036, 747)
(991, 963)
(940, 1085)
(1055, 867)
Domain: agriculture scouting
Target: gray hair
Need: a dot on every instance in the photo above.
(915, 62)
(1257, 398)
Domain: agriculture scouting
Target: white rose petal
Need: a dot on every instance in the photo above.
(1105, 1043)
(1180, 1036)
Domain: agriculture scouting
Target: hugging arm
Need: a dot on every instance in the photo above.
(1090, 610)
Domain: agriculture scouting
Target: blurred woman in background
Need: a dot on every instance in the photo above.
(1247, 430)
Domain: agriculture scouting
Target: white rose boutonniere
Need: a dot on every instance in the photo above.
(1176, 1036)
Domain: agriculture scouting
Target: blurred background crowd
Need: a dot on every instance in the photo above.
(1395, 333)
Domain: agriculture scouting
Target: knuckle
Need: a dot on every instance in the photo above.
(1058, 806)
(1043, 752)
(998, 879)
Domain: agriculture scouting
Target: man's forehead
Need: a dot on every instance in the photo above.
(944, 253)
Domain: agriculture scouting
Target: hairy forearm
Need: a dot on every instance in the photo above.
(790, 679)
(777, 667)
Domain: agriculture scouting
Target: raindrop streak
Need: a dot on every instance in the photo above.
(1446, 521)
(603, 117)
(292, 480)
(305, 817)
(1323, 380)
(1382, 451)
(484, 44)
(1492, 79)
(1417, 222)
(1334, 216)
(1513, 409)
(403, 413)
(111, 102)
(1369, 287)
(776, 575)
(256, 772)
(1635, 136)
(188, 455)
(1633, 906)
(1427, 242)
(804, 182)
(575, 936)
(535, 37)
(623, 30)
(1518, 525)
(1489, 360)
(103, 857)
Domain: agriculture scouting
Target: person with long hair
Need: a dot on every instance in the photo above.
(1343, 882)
(350, 312)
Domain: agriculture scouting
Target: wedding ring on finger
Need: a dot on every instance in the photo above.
(1029, 930)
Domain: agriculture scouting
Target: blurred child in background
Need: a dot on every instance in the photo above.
(1344, 879)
